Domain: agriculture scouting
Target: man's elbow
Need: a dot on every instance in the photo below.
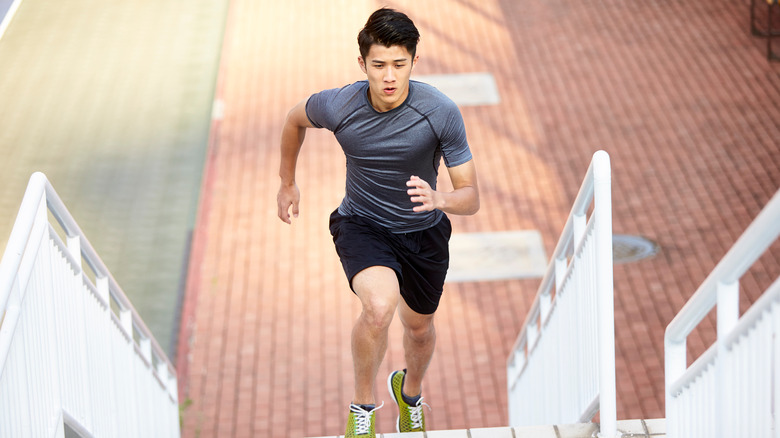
(473, 205)
(475, 209)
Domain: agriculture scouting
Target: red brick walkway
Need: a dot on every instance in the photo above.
(678, 93)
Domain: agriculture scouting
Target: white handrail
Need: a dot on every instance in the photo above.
(5, 20)
(582, 260)
(71, 228)
(761, 233)
(713, 369)
(74, 350)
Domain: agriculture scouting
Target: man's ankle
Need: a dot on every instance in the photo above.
(411, 401)
(363, 401)
(417, 390)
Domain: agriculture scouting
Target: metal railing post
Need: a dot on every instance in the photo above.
(580, 275)
(606, 314)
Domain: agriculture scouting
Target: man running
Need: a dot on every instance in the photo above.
(390, 230)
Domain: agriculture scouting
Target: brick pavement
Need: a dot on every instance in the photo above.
(678, 93)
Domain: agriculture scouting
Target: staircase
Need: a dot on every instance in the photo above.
(66, 325)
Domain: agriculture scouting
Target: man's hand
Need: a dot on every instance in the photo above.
(420, 191)
(288, 195)
(462, 200)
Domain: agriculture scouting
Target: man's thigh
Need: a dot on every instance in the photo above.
(362, 246)
(376, 282)
(379, 293)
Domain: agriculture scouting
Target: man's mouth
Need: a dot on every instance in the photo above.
(389, 90)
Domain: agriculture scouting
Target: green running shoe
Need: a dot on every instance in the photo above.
(410, 417)
(361, 422)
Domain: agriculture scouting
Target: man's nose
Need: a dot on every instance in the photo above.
(389, 74)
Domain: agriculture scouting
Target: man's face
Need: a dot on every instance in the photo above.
(388, 70)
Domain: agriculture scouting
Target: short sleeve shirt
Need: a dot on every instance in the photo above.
(384, 149)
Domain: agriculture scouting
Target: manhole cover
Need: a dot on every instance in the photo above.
(627, 248)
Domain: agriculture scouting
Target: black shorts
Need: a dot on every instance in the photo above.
(420, 259)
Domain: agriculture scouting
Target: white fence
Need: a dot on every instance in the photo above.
(562, 367)
(75, 357)
(733, 389)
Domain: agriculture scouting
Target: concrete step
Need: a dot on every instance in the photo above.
(655, 428)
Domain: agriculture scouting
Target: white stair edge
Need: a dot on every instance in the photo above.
(653, 428)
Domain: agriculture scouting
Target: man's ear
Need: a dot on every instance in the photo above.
(414, 60)
(362, 64)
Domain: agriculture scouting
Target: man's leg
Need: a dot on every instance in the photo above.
(378, 290)
(406, 386)
(419, 342)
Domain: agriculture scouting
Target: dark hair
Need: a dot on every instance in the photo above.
(388, 28)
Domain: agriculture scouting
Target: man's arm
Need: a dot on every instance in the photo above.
(463, 199)
(293, 133)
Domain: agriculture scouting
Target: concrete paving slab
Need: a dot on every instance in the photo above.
(465, 89)
(499, 255)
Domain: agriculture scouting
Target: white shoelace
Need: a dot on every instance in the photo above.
(363, 418)
(416, 414)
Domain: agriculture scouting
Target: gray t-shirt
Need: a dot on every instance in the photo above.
(384, 150)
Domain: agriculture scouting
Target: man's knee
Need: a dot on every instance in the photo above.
(417, 326)
(420, 330)
(377, 288)
(378, 312)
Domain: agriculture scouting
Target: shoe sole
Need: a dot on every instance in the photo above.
(392, 394)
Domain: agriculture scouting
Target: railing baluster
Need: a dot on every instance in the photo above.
(775, 366)
(63, 358)
(739, 356)
(575, 320)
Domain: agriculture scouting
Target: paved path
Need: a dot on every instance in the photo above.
(112, 101)
(689, 115)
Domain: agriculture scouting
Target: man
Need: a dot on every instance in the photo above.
(390, 231)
